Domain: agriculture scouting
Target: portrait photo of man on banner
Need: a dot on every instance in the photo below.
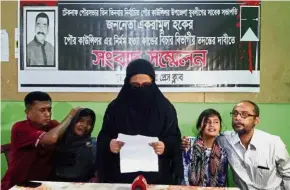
(40, 37)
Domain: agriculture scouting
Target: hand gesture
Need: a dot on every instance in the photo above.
(115, 146)
(158, 147)
(184, 143)
(74, 111)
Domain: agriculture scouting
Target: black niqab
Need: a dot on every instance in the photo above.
(139, 97)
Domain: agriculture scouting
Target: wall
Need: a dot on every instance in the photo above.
(274, 117)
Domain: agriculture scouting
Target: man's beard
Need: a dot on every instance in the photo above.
(240, 130)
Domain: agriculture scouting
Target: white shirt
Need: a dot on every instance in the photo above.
(265, 165)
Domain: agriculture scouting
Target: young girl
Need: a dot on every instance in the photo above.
(205, 161)
(75, 154)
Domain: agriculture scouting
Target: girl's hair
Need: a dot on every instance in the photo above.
(86, 112)
(204, 116)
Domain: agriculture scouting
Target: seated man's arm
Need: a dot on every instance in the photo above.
(23, 136)
(26, 136)
(52, 136)
(283, 162)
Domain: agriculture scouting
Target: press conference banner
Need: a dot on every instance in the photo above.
(83, 46)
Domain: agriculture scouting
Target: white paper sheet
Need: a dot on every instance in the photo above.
(137, 155)
(4, 46)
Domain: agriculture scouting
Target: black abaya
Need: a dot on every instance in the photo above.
(143, 111)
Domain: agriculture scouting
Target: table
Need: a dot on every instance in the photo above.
(47, 185)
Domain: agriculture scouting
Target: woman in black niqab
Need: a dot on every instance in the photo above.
(140, 111)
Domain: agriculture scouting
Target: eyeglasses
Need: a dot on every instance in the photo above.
(243, 115)
(142, 85)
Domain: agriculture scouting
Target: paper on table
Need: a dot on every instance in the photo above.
(137, 155)
(4, 46)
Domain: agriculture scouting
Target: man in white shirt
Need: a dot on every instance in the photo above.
(258, 159)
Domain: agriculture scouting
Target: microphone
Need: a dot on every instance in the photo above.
(139, 183)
